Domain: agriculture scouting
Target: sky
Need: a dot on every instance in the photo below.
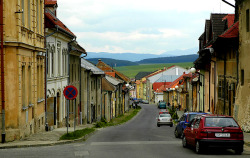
(138, 26)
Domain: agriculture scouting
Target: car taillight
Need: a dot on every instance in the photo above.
(158, 119)
(240, 136)
(203, 133)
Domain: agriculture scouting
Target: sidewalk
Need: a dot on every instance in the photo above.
(45, 138)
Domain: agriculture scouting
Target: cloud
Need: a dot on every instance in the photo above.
(140, 26)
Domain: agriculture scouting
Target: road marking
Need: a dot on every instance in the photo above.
(81, 153)
(136, 143)
(79, 145)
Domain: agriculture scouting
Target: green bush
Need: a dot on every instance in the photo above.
(175, 116)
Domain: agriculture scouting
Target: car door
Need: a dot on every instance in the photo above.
(180, 124)
(188, 130)
(194, 131)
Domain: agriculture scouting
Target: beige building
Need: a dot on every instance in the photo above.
(91, 92)
(22, 80)
(242, 103)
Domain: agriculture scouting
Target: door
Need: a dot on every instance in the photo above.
(194, 131)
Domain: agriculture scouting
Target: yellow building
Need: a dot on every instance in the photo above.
(242, 103)
(22, 67)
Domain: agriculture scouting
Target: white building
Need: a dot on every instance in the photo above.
(57, 38)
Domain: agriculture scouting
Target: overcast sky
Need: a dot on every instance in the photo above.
(138, 26)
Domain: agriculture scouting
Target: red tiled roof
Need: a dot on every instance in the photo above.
(176, 82)
(51, 21)
(232, 32)
(159, 84)
(50, 2)
(104, 67)
(161, 88)
(230, 19)
(110, 73)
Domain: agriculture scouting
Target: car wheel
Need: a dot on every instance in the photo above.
(176, 133)
(171, 125)
(198, 147)
(158, 125)
(184, 142)
(239, 151)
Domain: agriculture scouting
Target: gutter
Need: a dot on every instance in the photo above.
(2, 72)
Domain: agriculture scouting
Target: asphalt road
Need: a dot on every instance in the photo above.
(138, 138)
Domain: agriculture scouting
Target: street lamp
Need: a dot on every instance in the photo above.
(192, 70)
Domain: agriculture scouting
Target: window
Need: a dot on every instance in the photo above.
(52, 63)
(37, 15)
(220, 89)
(242, 77)
(30, 85)
(247, 20)
(197, 123)
(227, 92)
(23, 23)
(28, 14)
(59, 57)
(38, 82)
(41, 16)
(23, 86)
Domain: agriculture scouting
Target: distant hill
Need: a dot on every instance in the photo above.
(124, 56)
(135, 57)
(113, 62)
(176, 59)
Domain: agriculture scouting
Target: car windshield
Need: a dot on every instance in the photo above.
(220, 122)
(191, 117)
(165, 115)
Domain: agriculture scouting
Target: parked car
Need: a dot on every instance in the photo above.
(162, 105)
(140, 100)
(181, 125)
(145, 102)
(163, 111)
(164, 119)
(217, 131)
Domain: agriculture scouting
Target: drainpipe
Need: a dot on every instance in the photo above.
(2, 72)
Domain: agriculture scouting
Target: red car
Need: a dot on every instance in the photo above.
(216, 131)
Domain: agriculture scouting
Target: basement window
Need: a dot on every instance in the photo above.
(242, 77)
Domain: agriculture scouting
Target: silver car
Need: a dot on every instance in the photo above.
(164, 119)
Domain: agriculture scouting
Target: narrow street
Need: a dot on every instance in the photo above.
(140, 138)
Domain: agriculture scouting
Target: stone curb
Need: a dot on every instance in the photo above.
(51, 143)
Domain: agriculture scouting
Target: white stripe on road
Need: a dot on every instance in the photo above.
(136, 143)
(81, 153)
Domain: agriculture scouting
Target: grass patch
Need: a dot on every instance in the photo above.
(118, 120)
(77, 134)
(103, 123)
(131, 71)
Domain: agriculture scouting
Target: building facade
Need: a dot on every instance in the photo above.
(23, 58)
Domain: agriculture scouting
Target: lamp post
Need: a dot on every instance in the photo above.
(192, 70)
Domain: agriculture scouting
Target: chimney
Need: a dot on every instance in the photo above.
(184, 73)
(99, 60)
